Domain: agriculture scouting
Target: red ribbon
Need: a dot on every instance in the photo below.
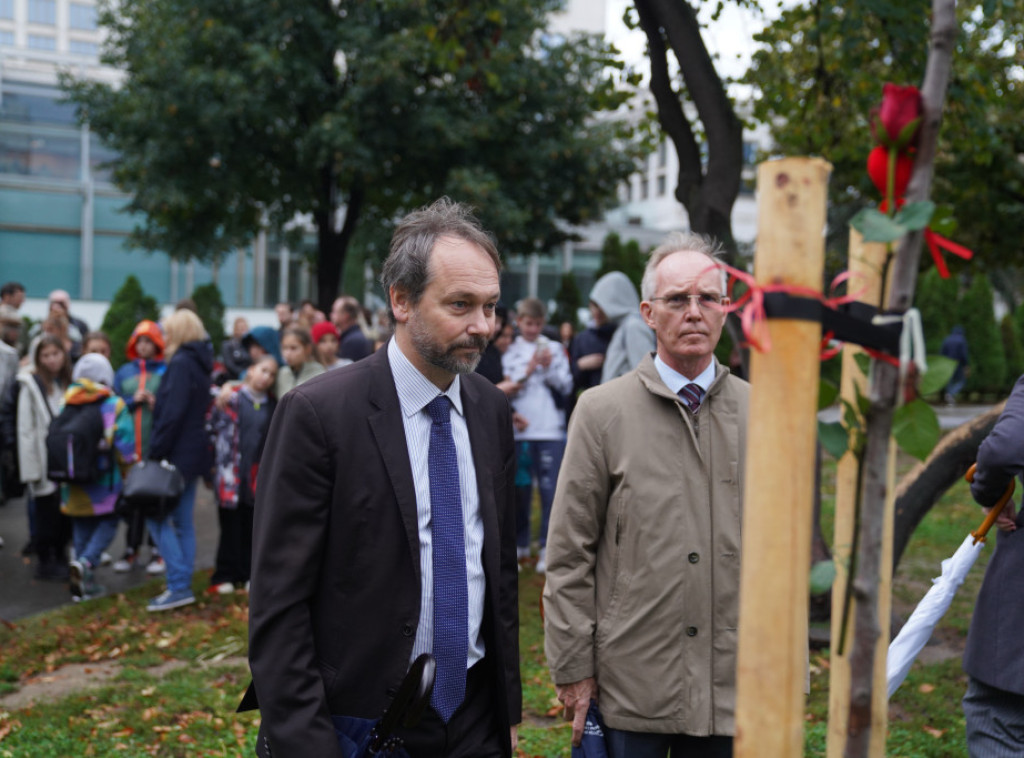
(936, 241)
(754, 320)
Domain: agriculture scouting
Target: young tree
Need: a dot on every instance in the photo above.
(128, 307)
(239, 115)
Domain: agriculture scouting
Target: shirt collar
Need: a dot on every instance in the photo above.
(676, 381)
(415, 391)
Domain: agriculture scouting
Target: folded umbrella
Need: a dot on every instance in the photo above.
(919, 627)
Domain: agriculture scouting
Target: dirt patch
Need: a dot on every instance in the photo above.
(78, 677)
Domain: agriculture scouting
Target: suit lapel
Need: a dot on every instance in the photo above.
(389, 434)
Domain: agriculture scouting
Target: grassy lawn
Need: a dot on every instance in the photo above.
(177, 677)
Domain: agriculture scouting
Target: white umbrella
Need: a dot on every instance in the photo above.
(915, 633)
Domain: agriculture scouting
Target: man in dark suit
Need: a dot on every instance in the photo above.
(367, 470)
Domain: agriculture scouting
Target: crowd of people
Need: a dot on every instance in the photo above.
(171, 399)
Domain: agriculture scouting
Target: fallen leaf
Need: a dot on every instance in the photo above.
(926, 688)
(936, 733)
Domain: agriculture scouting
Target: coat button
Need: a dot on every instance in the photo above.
(691, 631)
(407, 630)
(693, 557)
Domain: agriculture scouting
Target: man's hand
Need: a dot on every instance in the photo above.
(576, 698)
(515, 738)
(1006, 521)
(519, 422)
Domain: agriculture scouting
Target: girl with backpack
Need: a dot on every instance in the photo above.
(90, 501)
(40, 394)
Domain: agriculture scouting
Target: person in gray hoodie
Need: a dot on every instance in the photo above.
(614, 300)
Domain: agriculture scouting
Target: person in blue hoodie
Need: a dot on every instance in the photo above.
(91, 506)
(179, 436)
(260, 341)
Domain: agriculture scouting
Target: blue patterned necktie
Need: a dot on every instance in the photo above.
(691, 395)
(451, 604)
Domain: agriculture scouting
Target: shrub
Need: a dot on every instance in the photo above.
(987, 367)
(129, 306)
(210, 306)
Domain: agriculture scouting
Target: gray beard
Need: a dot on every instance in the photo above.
(446, 358)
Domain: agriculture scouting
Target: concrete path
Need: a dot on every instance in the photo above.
(22, 595)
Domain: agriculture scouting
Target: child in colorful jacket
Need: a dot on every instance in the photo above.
(91, 506)
(239, 430)
(137, 382)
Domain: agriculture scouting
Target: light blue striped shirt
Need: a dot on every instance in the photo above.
(415, 391)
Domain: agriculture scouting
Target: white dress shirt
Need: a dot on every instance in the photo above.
(676, 381)
(415, 392)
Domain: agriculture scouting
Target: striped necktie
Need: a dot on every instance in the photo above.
(451, 602)
(691, 394)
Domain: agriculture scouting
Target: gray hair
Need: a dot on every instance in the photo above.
(408, 263)
(678, 242)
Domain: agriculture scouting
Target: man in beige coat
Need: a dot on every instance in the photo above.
(642, 596)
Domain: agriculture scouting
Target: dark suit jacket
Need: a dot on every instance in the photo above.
(995, 644)
(336, 581)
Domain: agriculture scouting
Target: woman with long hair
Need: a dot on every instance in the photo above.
(179, 436)
(39, 400)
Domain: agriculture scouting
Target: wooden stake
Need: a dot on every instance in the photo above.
(867, 261)
(781, 441)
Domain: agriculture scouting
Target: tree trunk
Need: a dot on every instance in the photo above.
(332, 246)
(708, 193)
(923, 485)
(884, 390)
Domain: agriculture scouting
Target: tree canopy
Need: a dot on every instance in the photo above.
(237, 115)
(820, 71)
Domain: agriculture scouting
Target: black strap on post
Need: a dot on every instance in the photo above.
(850, 322)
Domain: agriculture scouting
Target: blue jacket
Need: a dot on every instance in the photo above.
(179, 414)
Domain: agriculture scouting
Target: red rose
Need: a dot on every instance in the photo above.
(878, 168)
(898, 120)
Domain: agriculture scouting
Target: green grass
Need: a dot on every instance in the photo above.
(189, 711)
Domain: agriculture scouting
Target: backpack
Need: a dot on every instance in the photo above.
(73, 444)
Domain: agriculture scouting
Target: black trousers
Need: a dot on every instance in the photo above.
(53, 529)
(472, 731)
(234, 550)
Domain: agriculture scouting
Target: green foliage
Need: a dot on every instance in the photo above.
(915, 427)
(626, 257)
(940, 371)
(567, 301)
(987, 367)
(876, 226)
(936, 298)
(128, 307)
(819, 73)
(210, 306)
(1012, 349)
(245, 113)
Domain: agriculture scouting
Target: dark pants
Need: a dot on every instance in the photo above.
(473, 729)
(646, 745)
(995, 721)
(136, 521)
(234, 551)
(53, 529)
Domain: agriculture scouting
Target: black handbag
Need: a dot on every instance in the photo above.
(154, 487)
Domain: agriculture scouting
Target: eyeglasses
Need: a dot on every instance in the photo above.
(680, 302)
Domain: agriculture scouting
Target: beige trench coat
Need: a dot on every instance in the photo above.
(643, 553)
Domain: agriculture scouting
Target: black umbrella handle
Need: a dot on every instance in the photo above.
(407, 708)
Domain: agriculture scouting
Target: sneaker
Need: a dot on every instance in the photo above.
(105, 558)
(90, 592)
(156, 566)
(171, 599)
(542, 564)
(223, 588)
(125, 563)
(77, 579)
